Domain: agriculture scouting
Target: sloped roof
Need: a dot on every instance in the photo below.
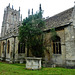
(60, 19)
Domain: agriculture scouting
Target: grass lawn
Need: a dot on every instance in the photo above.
(19, 69)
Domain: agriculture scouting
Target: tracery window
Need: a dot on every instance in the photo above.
(8, 46)
(56, 45)
(21, 48)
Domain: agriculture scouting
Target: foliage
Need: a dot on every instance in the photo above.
(53, 34)
(37, 46)
(31, 34)
(19, 69)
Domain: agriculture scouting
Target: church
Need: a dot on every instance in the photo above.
(60, 52)
(10, 46)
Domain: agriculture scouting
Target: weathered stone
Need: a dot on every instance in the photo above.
(33, 63)
(64, 24)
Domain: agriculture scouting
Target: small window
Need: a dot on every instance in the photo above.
(8, 46)
(56, 45)
(21, 48)
(3, 47)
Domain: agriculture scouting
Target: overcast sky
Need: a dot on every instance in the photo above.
(50, 7)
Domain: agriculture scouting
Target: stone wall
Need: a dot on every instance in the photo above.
(9, 56)
(58, 59)
(70, 45)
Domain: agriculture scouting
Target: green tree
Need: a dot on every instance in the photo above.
(31, 33)
(53, 34)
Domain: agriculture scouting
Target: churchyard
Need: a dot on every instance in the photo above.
(19, 69)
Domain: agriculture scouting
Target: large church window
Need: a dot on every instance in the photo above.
(21, 48)
(8, 46)
(56, 45)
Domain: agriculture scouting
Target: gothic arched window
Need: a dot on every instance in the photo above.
(56, 45)
(21, 48)
(3, 47)
(8, 46)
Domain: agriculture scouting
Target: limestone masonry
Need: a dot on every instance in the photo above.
(60, 52)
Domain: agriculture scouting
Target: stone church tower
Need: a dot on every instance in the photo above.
(10, 47)
(11, 22)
